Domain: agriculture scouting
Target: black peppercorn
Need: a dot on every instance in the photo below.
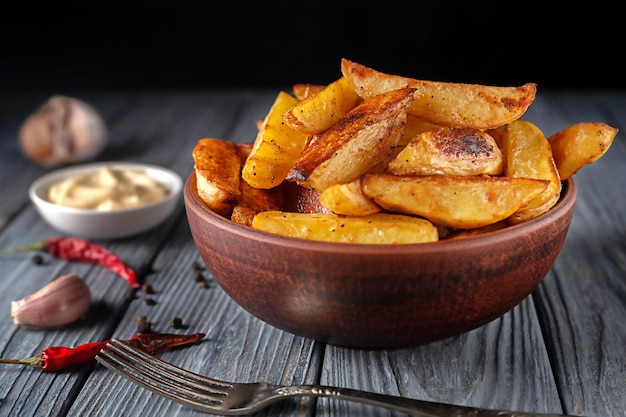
(147, 288)
(144, 327)
(176, 323)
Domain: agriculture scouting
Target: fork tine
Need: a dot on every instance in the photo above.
(154, 363)
(162, 378)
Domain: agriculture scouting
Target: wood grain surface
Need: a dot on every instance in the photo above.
(562, 349)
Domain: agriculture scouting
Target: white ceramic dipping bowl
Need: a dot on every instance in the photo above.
(96, 224)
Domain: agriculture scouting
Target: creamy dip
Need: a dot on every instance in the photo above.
(107, 189)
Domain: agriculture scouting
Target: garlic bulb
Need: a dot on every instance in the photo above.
(64, 130)
(63, 301)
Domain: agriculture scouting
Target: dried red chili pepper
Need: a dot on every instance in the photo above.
(81, 250)
(56, 358)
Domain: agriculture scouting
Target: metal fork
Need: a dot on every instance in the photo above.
(230, 399)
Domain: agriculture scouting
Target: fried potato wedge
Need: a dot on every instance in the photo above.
(450, 104)
(464, 202)
(379, 228)
(302, 91)
(363, 139)
(528, 155)
(275, 148)
(255, 200)
(449, 151)
(348, 199)
(323, 109)
(217, 166)
(579, 145)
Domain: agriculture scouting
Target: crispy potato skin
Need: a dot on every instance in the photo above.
(379, 228)
(580, 144)
(348, 199)
(366, 137)
(255, 200)
(464, 202)
(528, 155)
(414, 127)
(302, 91)
(218, 171)
(449, 151)
(450, 104)
(323, 109)
(276, 147)
(307, 200)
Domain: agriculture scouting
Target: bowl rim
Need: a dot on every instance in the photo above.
(39, 187)
(565, 203)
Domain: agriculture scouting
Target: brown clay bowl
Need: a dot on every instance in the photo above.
(378, 296)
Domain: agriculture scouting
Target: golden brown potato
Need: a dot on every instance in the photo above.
(464, 202)
(254, 200)
(348, 199)
(414, 127)
(379, 228)
(322, 110)
(449, 151)
(579, 145)
(242, 214)
(365, 138)
(275, 148)
(303, 91)
(528, 155)
(450, 104)
(217, 166)
(307, 200)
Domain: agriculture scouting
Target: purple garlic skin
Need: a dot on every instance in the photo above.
(61, 302)
(63, 131)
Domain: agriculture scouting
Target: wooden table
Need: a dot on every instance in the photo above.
(561, 350)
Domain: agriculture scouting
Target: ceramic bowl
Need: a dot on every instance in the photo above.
(95, 224)
(378, 296)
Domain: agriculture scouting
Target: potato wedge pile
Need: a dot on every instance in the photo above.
(376, 158)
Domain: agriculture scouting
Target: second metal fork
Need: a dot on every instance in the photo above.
(227, 398)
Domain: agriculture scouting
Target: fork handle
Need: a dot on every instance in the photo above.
(410, 406)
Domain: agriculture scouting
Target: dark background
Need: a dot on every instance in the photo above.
(115, 45)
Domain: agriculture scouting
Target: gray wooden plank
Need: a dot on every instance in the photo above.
(583, 304)
(159, 129)
(50, 394)
(237, 347)
(141, 132)
(502, 364)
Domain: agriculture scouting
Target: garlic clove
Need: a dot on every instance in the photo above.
(63, 130)
(63, 301)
